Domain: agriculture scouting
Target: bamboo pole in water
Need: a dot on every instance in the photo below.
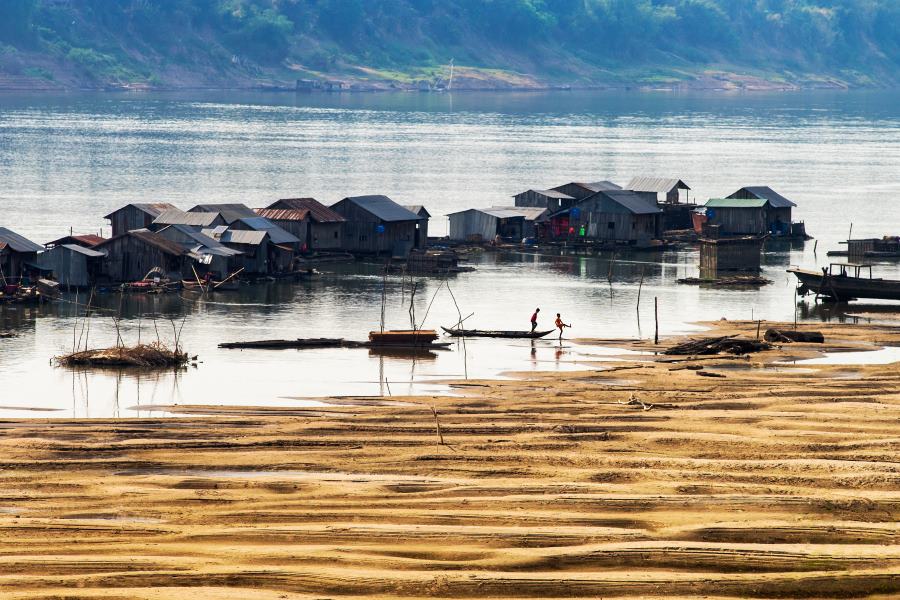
(656, 319)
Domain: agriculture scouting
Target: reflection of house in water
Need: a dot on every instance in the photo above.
(18, 256)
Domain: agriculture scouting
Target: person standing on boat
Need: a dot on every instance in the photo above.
(534, 319)
(561, 325)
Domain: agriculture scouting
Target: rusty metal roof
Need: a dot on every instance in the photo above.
(282, 214)
(88, 240)
(320, 213)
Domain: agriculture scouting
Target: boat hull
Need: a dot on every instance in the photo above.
(497, 334)
(843, 289)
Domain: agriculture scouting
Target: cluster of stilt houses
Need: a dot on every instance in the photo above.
(210, 244)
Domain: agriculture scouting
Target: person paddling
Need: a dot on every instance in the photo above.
(534, 319)
(561, 325)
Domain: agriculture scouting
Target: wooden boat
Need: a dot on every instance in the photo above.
(403, 337)
(842, 282)
(497, 334)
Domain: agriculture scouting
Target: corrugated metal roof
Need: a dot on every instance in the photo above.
(201, 249)
(238, 236)
(736, 202)
(202, 239)
(501, 213)
(17, 242)
(418, 209)
(764, 191)
(154, 209)
(633, 202)
(150, 238)
(179, 217)
(655, 184)
(82, 250)
(601, 186)
(282, 214)
(276, 233)
(531, 213)
(549, 194)
(88, 240)
(384, 208)
(230, 212)
(320, 213)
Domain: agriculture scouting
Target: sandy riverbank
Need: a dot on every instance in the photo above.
(772, 481)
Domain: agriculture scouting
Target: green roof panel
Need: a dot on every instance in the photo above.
(736, 203)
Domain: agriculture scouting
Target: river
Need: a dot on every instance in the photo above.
(67, 160)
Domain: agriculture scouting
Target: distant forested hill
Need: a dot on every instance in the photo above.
(494, 43)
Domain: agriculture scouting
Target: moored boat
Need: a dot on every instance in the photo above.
(411, 337)
(842, 282)
(496, 334)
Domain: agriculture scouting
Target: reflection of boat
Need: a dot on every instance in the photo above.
(285, 344)
(401, 352)
(841, 282)
(496, 334)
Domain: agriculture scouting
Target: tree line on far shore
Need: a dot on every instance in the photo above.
(122, 39)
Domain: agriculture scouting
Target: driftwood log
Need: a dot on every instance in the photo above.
(787, 336)
(733, 281)
(719, 345)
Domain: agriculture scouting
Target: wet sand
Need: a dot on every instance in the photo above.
(643, 480)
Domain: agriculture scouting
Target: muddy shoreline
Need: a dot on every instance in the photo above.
(643, 479)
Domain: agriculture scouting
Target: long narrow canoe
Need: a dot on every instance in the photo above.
(497, 334)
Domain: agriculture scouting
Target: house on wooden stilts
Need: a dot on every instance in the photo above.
(317, 226)
(136, 215)
(18, 257)
(378, 225)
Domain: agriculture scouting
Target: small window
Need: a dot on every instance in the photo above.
(363, 238)
(335, 234)
(611, 225)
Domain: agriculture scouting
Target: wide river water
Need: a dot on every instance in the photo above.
(67, 160)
